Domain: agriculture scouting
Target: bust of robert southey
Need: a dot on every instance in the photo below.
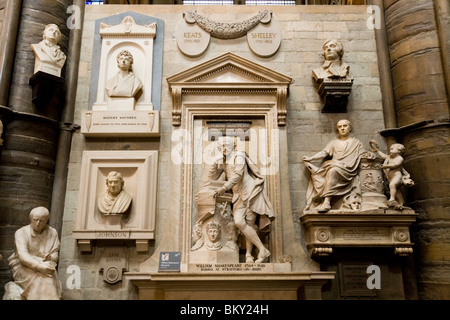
(115, 200)
(48, 54)
(123, 84)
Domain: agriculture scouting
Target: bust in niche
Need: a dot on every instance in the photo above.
(48, 54)
(333, 68)
(115, 200)
(124, 84)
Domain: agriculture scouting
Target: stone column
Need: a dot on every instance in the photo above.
(31, 133)
(422, 110)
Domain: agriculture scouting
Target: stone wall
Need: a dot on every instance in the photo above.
(2, 13)
(305, 28)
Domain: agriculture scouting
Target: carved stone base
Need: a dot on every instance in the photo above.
(372, 228)
(224, 255)
(48, 93)
(230, 286)
(335, 95)
(120, 123)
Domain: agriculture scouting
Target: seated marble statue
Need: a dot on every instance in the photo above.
(394, 172)
(33, 263)
(115, 200)
(124, 83)
(333, 67)
(47, 51)
(336, 176)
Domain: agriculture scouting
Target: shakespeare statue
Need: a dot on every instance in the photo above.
(252, 210)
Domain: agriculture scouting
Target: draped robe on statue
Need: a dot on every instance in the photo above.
(126, 86)
(114, 205)
(247, 184)
(30, 249)
(341, 170)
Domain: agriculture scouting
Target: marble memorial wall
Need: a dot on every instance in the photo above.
(302, 31)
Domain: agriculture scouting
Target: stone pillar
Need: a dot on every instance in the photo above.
(31, 131)
(422, 110)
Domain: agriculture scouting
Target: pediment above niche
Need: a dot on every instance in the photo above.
(226, 75)
(231, 69)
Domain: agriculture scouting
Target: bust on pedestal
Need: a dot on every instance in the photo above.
(47, 83)
(49, 56)
(333, 78)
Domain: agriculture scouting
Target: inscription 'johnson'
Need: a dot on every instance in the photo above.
(110, 234)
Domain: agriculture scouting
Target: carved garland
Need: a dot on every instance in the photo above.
(224, 30)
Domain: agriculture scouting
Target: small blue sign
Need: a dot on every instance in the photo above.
(169, 261)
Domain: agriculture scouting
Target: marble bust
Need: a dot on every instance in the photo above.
(115, 200)
(124, 84)
(333, 68)
(33, 263)
(48, 54)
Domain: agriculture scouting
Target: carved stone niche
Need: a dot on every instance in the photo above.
(123, 105)
(127, 216)
(234, 89)
(369, 229)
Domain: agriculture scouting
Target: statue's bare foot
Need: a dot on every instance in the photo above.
(392, 204)
(262, 256)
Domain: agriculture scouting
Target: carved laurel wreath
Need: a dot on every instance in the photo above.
(224, 30)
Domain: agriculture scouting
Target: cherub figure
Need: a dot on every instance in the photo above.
(395, 174)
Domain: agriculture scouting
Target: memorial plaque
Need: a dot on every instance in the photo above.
(265, 39)
(192, 40)
(353, 280)
(120, 123)
(362, 234)
(228, 128)
(169, 261)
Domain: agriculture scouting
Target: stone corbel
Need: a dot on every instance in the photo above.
(281, 106)
(176, 106)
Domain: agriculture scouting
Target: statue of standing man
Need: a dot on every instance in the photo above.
(252, 209)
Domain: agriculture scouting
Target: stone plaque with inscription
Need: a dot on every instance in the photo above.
(113, 263)
(191, 39)
(353, 280)
(120, 123)
(265, 39)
